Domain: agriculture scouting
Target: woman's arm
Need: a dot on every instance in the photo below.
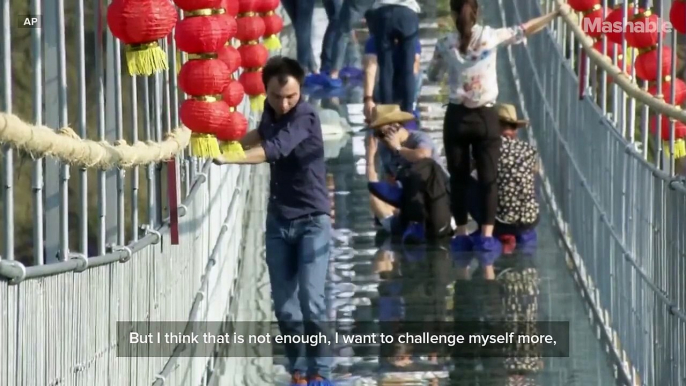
(537, 24)
(438, 66)
(516, 35)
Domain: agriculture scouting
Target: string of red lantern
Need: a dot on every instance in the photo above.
(202, 33)
(237, 125)
(253, 54)
(642, 35)
(273, 23)
(139, 25)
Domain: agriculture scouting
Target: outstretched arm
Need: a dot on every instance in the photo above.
(516, 35)
(536, 24)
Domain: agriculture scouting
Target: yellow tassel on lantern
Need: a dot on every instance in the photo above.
(204, 146)
(145, 59)
(232, 150)
(257, 102)
(272, 43)
(679, 148)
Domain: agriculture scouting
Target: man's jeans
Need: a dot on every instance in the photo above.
(352, 11)
(297, 255)
(391, 23)
(301, 13)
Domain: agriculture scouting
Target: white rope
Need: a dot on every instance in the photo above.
(65, 145)
(621, 79)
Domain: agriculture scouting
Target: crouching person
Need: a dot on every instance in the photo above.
(417, 204)
(518, 209)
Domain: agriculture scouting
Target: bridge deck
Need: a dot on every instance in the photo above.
(372, 278)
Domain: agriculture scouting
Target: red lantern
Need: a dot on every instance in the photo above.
(247, 6)
(254, 88)
(593, 21)
(679, 128)
(643, 30)
(192, 5)
(250, 28)
(679, 90)
(232, 26)
(205, 116)
(253, 55)
(614, 19)
(139, 24)
(677, 15)
(273, 25)
(646, 64)
(265, 6)
(583, 5)
(233, 93)
(203, 77)
(231, 7)
(197, 35)
(610, 48)
(235, 129)
(230, 56)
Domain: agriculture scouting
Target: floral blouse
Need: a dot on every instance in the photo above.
(472, 78)
(517, 203)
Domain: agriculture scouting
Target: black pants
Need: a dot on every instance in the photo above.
(476, 210)
(425, 197)
(479, 128)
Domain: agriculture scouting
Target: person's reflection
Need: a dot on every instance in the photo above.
(510, 302)
(519, 283)
(476, 301)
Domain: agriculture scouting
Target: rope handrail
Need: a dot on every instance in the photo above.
(65, 145)
(620, 78)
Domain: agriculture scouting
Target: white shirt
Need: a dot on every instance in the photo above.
(411, 4)
(472, 78)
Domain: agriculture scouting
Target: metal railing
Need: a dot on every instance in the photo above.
(82, 249)
(619, 207)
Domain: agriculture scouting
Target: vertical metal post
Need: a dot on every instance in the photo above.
(37, 175)
(136, 172)
(52, 119)
(99, 69)
(83, 133)
(8, 156)
(112, 128)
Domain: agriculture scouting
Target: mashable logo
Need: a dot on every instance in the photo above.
(597, 26)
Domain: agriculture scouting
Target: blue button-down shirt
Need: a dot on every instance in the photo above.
(294, 148)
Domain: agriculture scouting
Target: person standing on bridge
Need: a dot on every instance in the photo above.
(471, 120)
(298, 224)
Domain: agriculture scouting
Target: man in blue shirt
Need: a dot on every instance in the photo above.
(298, 225)
(416, 204)
(371, 75)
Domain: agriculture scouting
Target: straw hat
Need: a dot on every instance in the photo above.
(508, 113)
(387, 114)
